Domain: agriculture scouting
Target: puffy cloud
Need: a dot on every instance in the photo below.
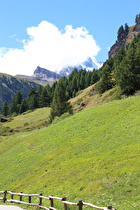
(50, 48)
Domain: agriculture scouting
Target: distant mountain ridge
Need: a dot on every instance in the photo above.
(9, 85)
(42, 74)
(89, 65)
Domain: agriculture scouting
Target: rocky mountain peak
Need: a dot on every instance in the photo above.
(45, 74)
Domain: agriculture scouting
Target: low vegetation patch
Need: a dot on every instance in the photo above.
(28, 121)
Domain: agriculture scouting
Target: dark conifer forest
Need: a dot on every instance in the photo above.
(123, 70)
(43, 96)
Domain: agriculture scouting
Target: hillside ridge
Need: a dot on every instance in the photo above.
(124, 38)
(9, 85)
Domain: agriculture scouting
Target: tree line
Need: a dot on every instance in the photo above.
(123, 29)
(137, 19)
(126, 27)
(123, 70)
(51, 96)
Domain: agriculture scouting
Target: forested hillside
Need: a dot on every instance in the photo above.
(43, 96)
(122, 70)
(9, 86)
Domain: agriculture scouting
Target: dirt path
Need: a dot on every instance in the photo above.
(9, 207)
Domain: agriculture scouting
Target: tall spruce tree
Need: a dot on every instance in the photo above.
(5, 109)
(32, 100)
(126, 27)
(106, 81)
(59, 105)
(18, 100)
(23, 106)
(39, 93)
(128, 72)
(121, 29)
(45, 99)
(12, 106)
(94, 78)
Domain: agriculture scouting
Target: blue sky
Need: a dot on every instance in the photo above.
(100, 19)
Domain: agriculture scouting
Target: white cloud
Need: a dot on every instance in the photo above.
(49, 48)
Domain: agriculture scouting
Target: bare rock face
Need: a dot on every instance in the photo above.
(121, 41)
(124, 38)
(44, 74)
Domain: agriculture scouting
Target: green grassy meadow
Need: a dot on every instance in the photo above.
(26, 122)
(93, 155)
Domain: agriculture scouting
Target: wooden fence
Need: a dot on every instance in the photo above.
(63, 201)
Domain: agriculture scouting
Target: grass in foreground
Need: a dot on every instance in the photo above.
(92, 155)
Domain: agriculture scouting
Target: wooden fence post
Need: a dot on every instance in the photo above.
(65, 205)
(12, 196)
(109, 207)
(40, 199)
(4, 199)
(51, 199)
(29, 199)
(80, 204)
(20, 197)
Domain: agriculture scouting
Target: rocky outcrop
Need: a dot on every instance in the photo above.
(44, 74)
(124, 38)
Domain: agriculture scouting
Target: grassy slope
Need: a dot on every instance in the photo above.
(27, 122)
(91, 98)
(92, 155)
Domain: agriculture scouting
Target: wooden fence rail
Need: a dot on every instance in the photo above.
(80, 204)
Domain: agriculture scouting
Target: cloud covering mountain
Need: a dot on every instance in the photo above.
(50, 48)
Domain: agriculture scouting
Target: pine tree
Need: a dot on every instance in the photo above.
(39, 93)
(53, 89)
(18, 100)
(106, 81)
(32, 92)
(23, 107)
(94, 78)
(87, 79)
(137, 19)
(59, 104)
(5, 109)
(121, 29)
(45, 99)
(82, 81)
(128, 72)
(119, 57)
(74, 84)
(12, 106)
(32, 100)
(126, 27)
(74, 94)
(49, 90)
